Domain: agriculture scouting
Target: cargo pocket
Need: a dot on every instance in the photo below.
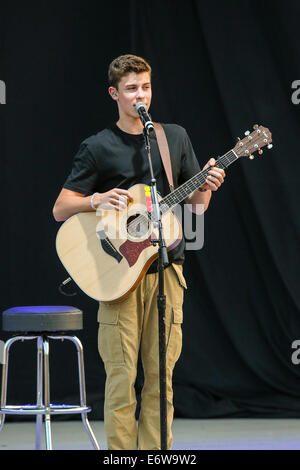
(109, 336)
(175, 336)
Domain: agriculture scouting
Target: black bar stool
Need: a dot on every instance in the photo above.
(43, 323)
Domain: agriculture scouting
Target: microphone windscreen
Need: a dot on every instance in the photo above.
(139, 105)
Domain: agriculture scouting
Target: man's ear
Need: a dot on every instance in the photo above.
(113, 93)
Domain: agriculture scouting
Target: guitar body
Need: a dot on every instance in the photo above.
(108, 252)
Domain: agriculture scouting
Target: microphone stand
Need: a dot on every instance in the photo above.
(161, 298)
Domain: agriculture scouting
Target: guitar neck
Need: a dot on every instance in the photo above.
(187, 188)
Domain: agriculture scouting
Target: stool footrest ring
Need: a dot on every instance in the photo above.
(36, 410)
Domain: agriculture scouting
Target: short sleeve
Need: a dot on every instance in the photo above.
(189, 163)
(83, 177)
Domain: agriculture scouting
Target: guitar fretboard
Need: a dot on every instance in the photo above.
(183, 191)
(179, 194)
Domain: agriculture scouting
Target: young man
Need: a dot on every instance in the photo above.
(105, 167)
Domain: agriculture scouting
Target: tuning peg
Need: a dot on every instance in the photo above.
(255, 126)
(270, 146)
(238, 139)
(251, 157)
(260, 152)
(247, 132)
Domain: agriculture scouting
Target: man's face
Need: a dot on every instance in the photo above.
(132, 89)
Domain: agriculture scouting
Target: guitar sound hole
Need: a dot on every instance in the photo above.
(138, 226)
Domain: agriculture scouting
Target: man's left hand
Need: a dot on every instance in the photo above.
(215, 176)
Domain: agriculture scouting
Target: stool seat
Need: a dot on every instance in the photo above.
(42, 318)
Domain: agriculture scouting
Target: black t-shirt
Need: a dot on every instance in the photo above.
(114, 159)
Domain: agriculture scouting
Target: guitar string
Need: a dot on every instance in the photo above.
(228, 158)
(188, 187)
(171, 200)
(183, 191)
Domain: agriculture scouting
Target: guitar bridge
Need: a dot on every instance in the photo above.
(108, 247)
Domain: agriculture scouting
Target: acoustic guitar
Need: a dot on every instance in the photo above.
(107, 252)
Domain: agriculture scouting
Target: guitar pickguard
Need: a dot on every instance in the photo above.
(132, 250)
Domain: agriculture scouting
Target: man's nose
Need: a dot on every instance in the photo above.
(140, 93)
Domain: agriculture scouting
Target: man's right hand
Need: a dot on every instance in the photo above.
(116, 199)
(70, 202)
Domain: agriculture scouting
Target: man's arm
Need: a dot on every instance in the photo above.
(70, 202)
(199, 201)
(213, 181)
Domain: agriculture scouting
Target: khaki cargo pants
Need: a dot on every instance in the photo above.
(124, 328)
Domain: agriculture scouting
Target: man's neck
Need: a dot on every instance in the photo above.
(130, 126)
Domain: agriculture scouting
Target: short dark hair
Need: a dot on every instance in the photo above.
(125, 64)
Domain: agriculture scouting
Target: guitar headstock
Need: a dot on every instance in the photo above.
(260, 137)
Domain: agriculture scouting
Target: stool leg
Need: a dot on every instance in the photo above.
(47, 394)
(4, 378)
(39, 393)
(82, 389)
(89, 431)
(6, 349)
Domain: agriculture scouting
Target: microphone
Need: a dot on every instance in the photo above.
(140, 107)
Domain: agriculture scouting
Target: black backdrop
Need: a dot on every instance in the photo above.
(218, 68)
